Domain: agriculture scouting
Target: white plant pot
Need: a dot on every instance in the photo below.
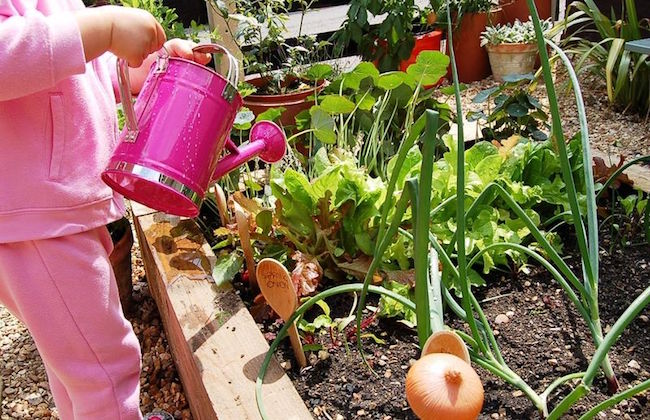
(511, 59)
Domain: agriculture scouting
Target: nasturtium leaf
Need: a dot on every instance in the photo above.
(319, 71)
(323, 125)
(393, 79)
(337, 104)
(483, 95)
(516, 110)
(365, 101)
(362, 71)
(513, 78)
(303, 120)
(429, 67)
(271, 114)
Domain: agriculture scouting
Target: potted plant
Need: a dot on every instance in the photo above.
(511, 48)
(387, 44)
(470, 17)
(275, 70)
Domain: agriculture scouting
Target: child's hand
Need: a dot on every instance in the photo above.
(183, 48)
(135, 34)
(175, 48)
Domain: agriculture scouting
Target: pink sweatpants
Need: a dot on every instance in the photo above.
(63, 290)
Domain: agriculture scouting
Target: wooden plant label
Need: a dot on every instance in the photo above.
(241, 217)
(275, 284)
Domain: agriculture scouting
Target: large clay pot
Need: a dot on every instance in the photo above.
(518, 9)
(471, 59)
(120, 259)
(511, 59)
(292, 102)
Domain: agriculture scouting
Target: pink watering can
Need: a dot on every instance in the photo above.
(173, 138)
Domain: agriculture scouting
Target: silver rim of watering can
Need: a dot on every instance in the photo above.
(155, 176)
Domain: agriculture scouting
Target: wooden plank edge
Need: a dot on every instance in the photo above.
(196, 394)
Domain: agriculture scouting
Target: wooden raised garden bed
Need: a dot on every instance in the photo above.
(217, 347)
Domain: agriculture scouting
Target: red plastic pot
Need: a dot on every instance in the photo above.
(431, 41)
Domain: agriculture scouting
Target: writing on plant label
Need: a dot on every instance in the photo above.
(274, 277)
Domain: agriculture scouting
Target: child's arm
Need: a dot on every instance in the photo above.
(37, 51)
(128, 33)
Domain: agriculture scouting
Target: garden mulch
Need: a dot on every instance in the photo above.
(542, 339)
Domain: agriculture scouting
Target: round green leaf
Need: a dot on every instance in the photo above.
(271, 114)
(318, 71)
(323, 125)
(429, 67)
(516, 110)
(337, 104)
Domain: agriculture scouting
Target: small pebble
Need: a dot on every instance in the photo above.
(501, 319)
(633, 364)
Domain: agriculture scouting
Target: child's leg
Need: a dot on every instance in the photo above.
(60, 395)
(64, 291)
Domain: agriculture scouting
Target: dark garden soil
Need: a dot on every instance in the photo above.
(543, 339)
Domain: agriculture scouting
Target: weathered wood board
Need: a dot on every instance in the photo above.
(217, 347)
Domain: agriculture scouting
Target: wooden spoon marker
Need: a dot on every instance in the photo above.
(275, 284)
(446, 341)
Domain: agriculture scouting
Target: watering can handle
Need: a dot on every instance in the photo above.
(233, 64)
(163, 56)
(124, 84)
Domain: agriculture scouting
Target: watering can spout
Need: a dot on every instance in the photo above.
(267, 141)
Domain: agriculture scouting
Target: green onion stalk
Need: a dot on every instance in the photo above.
(587, 241)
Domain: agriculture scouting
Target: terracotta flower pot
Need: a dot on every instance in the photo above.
(120, 259)
(293, 102)
(471, 59)
(511, 59)
(518, 9)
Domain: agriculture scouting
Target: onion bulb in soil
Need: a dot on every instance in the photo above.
(443, 386)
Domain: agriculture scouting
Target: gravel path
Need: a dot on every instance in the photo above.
(23, 385)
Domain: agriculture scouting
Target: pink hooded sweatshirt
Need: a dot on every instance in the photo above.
(58, 124)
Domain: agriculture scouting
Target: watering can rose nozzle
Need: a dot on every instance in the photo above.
(267, 141)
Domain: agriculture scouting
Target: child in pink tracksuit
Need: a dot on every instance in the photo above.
(58, 128)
